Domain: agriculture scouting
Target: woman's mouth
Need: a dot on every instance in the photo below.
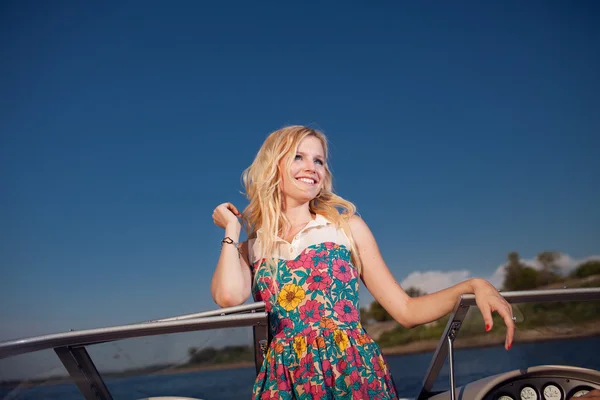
(309, 181)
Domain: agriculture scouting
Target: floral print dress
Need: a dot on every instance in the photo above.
(318, 350)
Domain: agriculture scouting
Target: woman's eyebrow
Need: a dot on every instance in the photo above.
(304, 154)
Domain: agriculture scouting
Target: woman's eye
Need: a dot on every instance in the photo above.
(318, 161)
(298, 157)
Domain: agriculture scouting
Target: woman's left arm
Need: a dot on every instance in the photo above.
(420, 310)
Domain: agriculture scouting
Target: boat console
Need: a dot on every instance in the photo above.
(547, 382)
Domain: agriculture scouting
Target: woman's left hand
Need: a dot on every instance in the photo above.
(488, 300)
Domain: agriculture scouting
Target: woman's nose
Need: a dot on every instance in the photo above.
(309, 165)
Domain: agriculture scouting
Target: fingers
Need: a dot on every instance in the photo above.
(214, 218)
(486, 312)
(506, 312)
(489, 300)
(224, 214)
(233, 209)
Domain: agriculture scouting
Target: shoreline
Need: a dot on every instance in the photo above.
(426, 346)
(422, 346)
(529, 336)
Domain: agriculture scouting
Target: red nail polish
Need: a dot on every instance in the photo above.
(487, 327)
(509, 346)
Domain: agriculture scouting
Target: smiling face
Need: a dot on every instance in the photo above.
(304, 178)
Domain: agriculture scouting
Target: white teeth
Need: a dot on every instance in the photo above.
(306, 180)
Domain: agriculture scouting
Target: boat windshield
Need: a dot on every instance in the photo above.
(215, 363)
(565, 332)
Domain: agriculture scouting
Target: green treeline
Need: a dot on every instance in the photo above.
(224, 355)
(519, 276)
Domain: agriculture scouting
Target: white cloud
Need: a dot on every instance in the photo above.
(432, 281)
(429, 282)
(498, 277)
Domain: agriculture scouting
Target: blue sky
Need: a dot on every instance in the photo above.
(461, 132)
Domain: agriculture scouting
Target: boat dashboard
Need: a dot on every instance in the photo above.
(536, 383)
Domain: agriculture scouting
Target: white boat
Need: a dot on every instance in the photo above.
(537, 382)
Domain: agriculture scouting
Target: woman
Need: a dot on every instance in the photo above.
(306, 251)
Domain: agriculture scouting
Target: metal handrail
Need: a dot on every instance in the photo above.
(187, 323)
(252, 307)
(468, 300)
(70, 346)
(545, 295)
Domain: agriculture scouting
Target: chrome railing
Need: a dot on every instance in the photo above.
(445, 346)
(70, 347)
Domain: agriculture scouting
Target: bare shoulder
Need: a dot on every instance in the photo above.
(357, 224)
(373, 265)
(355, 220)
(360, 230)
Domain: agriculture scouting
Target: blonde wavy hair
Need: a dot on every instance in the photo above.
(262, 182)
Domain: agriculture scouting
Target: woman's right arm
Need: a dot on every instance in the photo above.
(232, 279)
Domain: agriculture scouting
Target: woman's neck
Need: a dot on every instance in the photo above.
(298, 215)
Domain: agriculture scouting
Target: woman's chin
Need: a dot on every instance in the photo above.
(302, 198)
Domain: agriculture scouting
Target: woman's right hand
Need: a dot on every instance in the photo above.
(226, 214)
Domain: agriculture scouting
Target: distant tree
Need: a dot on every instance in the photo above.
(227, 354)
(378, 313)
(364, 316)
(415, 292)
(513, 258)
(519, 276)
(512, 271)
(548, 259)
(207, 354)
(550, 272)
(586, 269)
